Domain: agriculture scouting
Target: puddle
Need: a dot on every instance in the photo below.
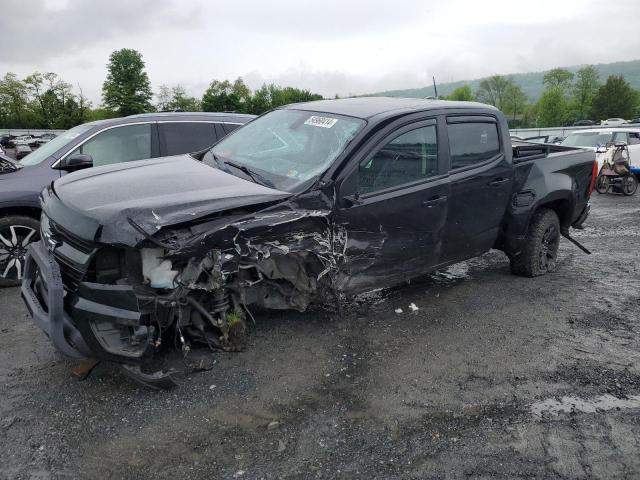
(581, 405)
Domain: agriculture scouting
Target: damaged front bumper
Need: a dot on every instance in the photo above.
(85, 323)
(43, 294)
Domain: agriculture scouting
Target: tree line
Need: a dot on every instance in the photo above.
(567, 98)
(45, 100)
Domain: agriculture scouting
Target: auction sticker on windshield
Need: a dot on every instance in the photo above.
(324, 122)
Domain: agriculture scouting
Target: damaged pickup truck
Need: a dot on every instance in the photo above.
(313, 202)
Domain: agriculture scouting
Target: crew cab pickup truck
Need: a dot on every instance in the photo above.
(312, 202)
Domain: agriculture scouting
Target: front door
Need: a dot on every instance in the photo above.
(393, 209)
(481, 184)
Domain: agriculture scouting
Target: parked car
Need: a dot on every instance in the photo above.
(23, 140)
(92, 144)
(591, 139)
(544, 139)
(305, 204)
(614, 122)
(22, 150)
(635, 120)
(7, 141)
(584, 123)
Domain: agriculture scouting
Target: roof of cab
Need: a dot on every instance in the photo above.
(367, 107)
(182, 116)
(191, 114)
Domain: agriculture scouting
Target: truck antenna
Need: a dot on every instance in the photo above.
(435, 89)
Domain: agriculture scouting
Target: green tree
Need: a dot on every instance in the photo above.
(218, 97)
(164, 98)
(227, 97)
(552, 107)
(615, 99)
(286, 95)
(176, 98)
(514, 101)
(127, 89)
(558, 77)
(492, 90)
(13, 102)
(462, 94)
(261, 100)
(99, 113)
(35, 84)
(584, 90)
(182, 101)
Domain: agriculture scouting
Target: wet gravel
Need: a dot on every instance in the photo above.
(442, 392)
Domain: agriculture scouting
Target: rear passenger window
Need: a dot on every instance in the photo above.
(186, 137)
(411, 156)
(472, 143)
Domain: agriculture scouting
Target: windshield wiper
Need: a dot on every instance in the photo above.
(256, 177)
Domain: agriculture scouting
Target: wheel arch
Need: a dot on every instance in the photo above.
(32, 212)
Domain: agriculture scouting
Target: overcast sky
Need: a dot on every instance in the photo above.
(328, 46)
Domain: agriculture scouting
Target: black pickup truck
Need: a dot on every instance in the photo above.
(312, 202)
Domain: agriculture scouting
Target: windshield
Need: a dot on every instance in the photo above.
(289, 147)
(587, 139)
(54, 145)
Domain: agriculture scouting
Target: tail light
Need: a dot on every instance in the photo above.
(594, 178)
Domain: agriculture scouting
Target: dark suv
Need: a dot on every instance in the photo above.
(136, 137)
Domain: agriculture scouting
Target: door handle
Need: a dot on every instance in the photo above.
(433, 201)
(497, 182)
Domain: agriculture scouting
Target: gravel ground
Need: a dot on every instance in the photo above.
(494, 376)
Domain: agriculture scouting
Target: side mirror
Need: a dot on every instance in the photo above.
(75, 162)
(601, 149)
(351, 200)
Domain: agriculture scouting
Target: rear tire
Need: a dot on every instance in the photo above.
(602, 184)
(629, 185)
(16, 233)
(540, 246)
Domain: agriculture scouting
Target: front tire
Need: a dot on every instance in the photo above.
(16, 233)
(540, 246)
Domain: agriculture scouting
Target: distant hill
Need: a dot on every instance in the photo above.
(531, 83)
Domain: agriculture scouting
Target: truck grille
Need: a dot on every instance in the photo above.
(72, 254)
(72, 274)
(78, 243)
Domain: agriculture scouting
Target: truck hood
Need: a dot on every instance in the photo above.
(100, 203)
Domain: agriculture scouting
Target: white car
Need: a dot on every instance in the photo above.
(23, 140)
(614, 122)
(591, 139)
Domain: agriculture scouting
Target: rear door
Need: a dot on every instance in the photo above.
(393, 207)
(481, 182)
(177, 138)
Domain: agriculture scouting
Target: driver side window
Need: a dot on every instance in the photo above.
(407, 158)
